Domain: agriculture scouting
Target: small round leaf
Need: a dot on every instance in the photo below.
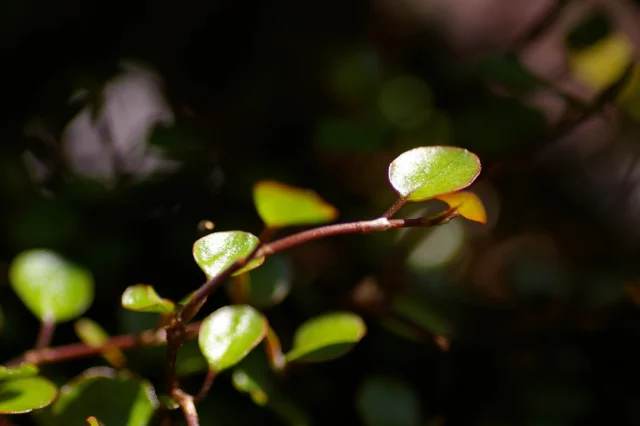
(20, 371)
(426, 172)
(326, 337)
(26, 394)
(53, 288)
(116, 398)
(143, 298)
(467, 204)
(229, 334)
(386, 401)
(281, 205)
(217, 251)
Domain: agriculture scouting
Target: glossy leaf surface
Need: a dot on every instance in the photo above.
(281, 205)
(143, 298)
(114, 398)
(467, 204)
(229, 334)
(26, 394)
(50, 286)
(22, 370)
(426, 172)
(326, 337)
(219, 250)
(386, 401)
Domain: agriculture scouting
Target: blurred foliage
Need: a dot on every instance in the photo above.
(126, 124)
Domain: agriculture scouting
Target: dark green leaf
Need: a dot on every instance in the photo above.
(326, 337)
(268, 285)
(219, 250)
(385, 401)
(26, 394)
(426, 172)
(143, 298)
(53, 288)
(229, 334)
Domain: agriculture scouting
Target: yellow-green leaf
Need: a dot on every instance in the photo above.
(23, 370)
(143, 298)
(281, 205)
(426, 172)
(326, 337)
(92, 334)
(467, 204)
(27, 394)
(217, 251)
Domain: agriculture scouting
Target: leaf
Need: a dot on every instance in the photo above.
(143, 298)
(27, 394)
(116, 398)
(386, 401)
(467, 204)
(217, 251)
(190, 360)
(281, 205)
(426, 172)
(92, 421)
(326, 337)
(92, 334)
(266, 286)
(229, 334)
(23, 370)
(254, 377)
(53, 288)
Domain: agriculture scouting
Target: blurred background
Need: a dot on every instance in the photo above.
(127, 123)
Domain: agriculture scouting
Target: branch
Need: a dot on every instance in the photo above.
(45, 335)
(185, 401)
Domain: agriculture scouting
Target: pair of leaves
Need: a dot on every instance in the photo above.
(231, 332)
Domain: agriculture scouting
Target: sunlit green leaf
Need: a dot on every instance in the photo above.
(26, 394)
(53, 288)
(326, 337)
(22, 370)
(229, 334)
(386, 401)
(92, 334)
(266, 286)
(116, 398)
(219, 250)
(281, 205)
(429, 171)
(143, 298)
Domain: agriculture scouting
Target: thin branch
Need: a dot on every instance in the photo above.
(396, 206)
(45, 334)
(187, 405)
(81, 350)
(206, 385)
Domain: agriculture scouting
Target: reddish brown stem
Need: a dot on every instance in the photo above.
(206, 385)
(185, 401)
(45, 335)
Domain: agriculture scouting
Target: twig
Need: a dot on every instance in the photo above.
(185, 401)
(206, 385)
(45, 335)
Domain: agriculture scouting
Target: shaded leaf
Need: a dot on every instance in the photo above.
(467, 204)
(190, 360)
(266, 286)
(219, 250)
(426, 172)
(326, 337)
(23, 370)
(116, 398)
(386, 401)
(281, 205)
(143, 298)
(92, 334)
(26, 394)
(229, 334)
(53, 288)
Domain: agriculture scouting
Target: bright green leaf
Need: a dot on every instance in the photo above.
(53, 288)
(385, 401)
(426, 172)
(20, 371)
(229, 334)
(143, 298)
(26, 394)
(281, 205)
(326, 337)
(92, 334)
(217, 251)
(116, 398)
(268, 285)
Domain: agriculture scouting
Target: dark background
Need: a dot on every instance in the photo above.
(539, 306)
